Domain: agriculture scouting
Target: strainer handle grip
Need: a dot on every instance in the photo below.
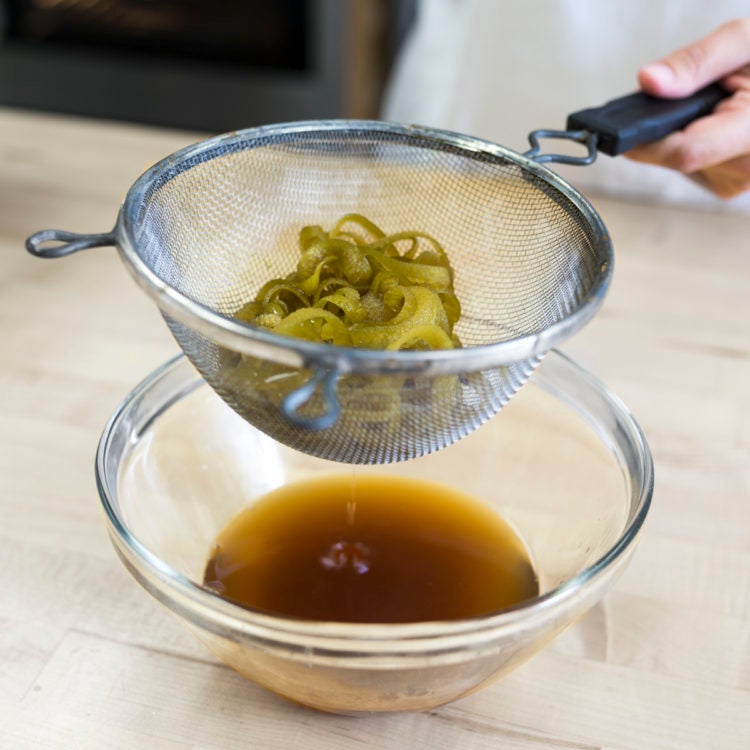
(326, 380)
(65, 243)
(638, 118)
(623, 123)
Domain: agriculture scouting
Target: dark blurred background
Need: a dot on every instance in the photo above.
(210, 65)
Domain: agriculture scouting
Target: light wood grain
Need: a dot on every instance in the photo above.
(88, 660)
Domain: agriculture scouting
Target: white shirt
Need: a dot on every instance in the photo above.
(499, 69)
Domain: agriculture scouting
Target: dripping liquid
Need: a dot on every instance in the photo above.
(370, 549)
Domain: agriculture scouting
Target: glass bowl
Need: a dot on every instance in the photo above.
(564, 462)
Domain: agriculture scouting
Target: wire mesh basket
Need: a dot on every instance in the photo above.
(202, 230)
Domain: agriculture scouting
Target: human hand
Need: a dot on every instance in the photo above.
(713, 150)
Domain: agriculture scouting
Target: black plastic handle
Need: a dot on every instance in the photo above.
(639, 118)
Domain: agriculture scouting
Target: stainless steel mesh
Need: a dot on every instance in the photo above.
(215, 222)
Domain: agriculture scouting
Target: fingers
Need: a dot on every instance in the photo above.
(709, 141)
(727, 180)
(738, 80)
(709, 59)
(714, 150)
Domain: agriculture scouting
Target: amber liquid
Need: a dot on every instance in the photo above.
(370, 549)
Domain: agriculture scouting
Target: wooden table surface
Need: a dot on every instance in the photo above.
(89, 660)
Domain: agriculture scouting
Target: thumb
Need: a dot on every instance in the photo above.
(714, 56)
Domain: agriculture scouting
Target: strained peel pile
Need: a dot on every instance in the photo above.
(357, 286)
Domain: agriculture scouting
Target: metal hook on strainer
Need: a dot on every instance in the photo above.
(203, 229)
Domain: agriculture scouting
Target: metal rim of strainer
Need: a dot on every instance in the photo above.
(344, 360)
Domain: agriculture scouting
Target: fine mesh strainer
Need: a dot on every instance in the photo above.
(202, 230)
